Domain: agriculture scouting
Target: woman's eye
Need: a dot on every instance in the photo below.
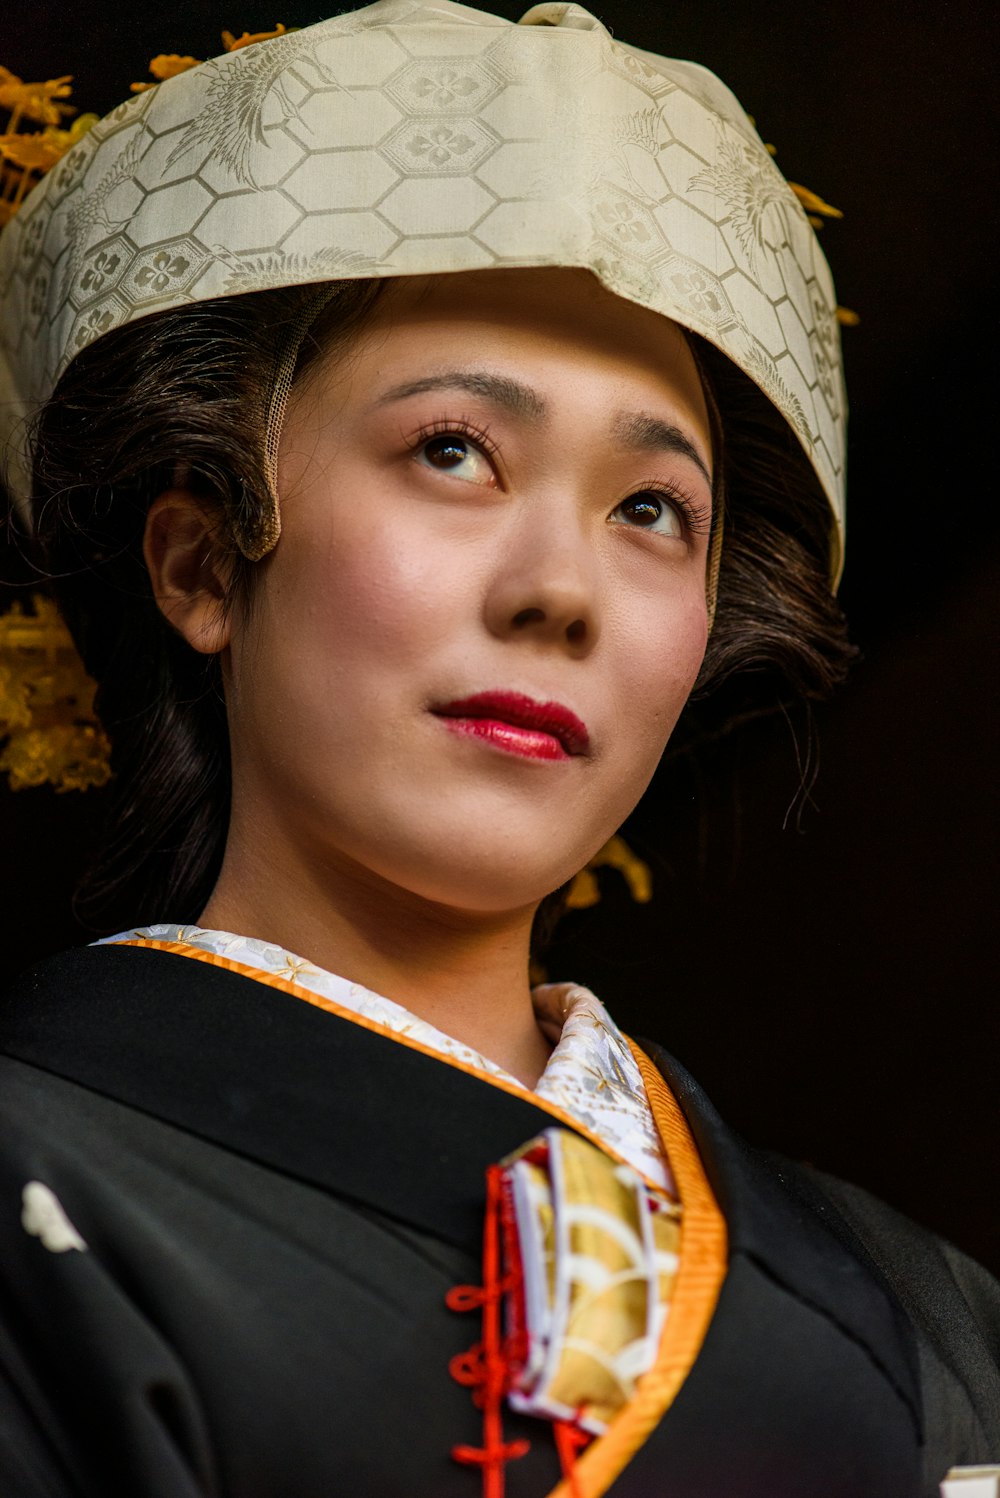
(649, 512)
(457, 455)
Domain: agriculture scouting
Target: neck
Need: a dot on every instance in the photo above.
(466, 973)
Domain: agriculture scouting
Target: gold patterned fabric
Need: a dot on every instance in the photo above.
(410, 138)
(598, 1254)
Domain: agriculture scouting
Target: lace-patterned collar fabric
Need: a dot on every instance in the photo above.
(591, 1073)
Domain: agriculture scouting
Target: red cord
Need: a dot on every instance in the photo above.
(486, 1367)
(569, 1440)
(491, 1366)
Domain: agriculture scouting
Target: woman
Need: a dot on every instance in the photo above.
(420, 406)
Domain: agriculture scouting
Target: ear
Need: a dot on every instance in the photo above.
(186, 568)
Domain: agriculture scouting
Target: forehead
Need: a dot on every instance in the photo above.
(548, 338)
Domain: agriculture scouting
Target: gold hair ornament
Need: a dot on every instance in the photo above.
(47, 705)
(27, 154)
(49, 732)
(169, 64)
(616, 854)
(585, 890)
(817, 211)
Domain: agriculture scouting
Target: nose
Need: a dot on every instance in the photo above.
(546, 583)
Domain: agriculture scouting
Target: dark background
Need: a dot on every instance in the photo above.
(826, 968)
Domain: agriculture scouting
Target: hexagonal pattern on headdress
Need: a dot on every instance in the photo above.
(411, 138)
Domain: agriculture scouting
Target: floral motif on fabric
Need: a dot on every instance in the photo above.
(591, 1073)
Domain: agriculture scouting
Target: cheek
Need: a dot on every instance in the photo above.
(361, 598)
(660, 657)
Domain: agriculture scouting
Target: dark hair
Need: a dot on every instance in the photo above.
(182, 396)
(777, 614)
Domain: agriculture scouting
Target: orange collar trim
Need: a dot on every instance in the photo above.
(703, 1246)
(700, 1273)
(287, 985)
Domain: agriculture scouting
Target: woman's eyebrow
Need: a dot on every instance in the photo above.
(511, 395)
(644, 433)
(634, 429)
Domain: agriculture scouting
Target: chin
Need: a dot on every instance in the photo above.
(477, 854)
(491, 884)
(481, 893)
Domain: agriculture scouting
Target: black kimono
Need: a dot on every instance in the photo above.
(271, 1204)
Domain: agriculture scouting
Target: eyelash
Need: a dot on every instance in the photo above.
(697, 518)
(460, 428)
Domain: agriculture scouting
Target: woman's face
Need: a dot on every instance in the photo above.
(487, 606)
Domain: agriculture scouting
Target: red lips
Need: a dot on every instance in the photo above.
(519, 724)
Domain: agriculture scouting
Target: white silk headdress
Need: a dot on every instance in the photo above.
(415, 137)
